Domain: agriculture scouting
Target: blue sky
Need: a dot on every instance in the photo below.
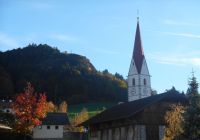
(104, 31)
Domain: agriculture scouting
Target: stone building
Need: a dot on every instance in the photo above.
(141, 119)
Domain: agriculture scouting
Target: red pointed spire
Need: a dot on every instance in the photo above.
(138, 54)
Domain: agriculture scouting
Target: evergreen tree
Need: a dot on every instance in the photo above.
(192, 114)
(193, 86)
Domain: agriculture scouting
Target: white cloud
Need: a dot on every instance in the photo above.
(183, 34)
(179, 23)
(177, 59)
(7, 42)
(188, 35)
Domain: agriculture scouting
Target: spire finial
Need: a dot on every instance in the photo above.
(137, 15)
(192, 72)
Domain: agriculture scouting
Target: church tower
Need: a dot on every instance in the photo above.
(139, 83)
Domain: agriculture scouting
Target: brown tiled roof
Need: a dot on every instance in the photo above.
(129, 109)
(56, 119)
(138, 54)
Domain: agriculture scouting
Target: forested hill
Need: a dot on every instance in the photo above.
(63, 76)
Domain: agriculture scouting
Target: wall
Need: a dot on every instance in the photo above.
(139, 90)
(43, 132)
(131, 132)
(148, 124)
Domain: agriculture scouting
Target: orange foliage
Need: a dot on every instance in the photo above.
(29, 108)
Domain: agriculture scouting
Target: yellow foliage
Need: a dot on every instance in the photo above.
(78, 119)
(51, 107)
(63, 107)
(174, 120)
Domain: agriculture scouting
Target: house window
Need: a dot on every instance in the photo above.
(133, 81)
(7, 111)
(48, 127)
(56, 127)
(145, 82)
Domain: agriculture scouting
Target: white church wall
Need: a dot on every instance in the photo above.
(139, 90)
(132, 68)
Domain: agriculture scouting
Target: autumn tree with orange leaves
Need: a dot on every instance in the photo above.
(29, 108)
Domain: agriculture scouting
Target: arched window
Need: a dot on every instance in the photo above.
(133, 81)
(145, 82)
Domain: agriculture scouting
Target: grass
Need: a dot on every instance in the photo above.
(93, 108)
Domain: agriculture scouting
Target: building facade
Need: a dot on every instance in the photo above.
(143, 116)
(142, 119)
(48, 131)
(52, 127)
(139, 82)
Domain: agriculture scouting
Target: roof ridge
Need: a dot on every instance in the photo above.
(129, 109)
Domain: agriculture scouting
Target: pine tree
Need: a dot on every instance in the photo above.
(193, 86)
(192, 114)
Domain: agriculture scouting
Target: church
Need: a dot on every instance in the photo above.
(139, 83)
(142, 117)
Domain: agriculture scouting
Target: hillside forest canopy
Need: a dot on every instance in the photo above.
(61, 75)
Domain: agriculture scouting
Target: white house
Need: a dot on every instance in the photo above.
(51, 127)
